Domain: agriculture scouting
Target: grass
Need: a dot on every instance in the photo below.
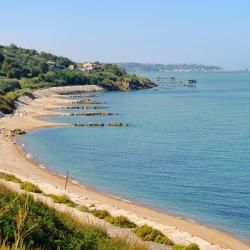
(30, 187)
(191, 246)
(10, 177)
(84, 209)
(101, 214)
(31, 223)
(148, 233)
(120, 221)
(63, 199)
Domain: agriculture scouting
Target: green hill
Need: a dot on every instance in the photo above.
(25, 69)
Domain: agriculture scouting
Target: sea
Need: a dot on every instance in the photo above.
(185, 152)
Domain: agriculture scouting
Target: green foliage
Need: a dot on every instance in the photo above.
(9, 177)
(30, 187)
(101, 214)
(36, 70)
(6, 106)
(48, 229)
(120, 221)
(7, 102)
(7, 85)
(191, 246)
(147, 233)
(83, 209)
(63, 199)
(19, 62)
(115, 70)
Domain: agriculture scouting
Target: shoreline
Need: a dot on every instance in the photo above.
(12, 158)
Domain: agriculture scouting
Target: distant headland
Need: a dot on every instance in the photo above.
(151, 67)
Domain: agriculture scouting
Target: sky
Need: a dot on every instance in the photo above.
(214, 32)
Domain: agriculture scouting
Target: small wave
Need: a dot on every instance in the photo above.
(42, 166)
(29, 155)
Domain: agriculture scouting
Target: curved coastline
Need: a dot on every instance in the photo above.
(11, 155)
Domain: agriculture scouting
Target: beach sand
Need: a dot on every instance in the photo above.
(12, 159)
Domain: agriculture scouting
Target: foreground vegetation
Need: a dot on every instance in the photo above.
(25, 69)
(17, 219)
(26, 224)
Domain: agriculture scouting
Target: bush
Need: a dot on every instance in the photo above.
(30, 187)
(120, 221)
(63, 199)
(7, 85)
(147, 233)
(9, 177)
(101, 214)
(191, 246)
(83, 209)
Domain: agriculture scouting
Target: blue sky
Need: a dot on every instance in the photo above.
(154, 31)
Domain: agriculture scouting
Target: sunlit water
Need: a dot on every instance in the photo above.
(186, 151)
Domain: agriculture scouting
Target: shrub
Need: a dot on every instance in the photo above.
(63, 199)
(30, 187)
(147, 233)
(83, 209)
(7, 85)
(120, 221)
(101, 214)
(9, 177)
(191, 246)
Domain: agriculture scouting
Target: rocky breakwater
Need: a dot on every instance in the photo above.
(86, 107)
(90, 114)
(81, 96)
(93, 114)
(86, 101)
(112, 124)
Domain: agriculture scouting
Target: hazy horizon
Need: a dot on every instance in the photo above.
(164, 32)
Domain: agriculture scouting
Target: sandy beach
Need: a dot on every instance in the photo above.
(12, 159)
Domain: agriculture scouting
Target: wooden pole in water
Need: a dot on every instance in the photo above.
(66, 181)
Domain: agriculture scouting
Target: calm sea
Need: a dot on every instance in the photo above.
(186, 151)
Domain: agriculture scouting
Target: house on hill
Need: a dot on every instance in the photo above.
(89, 66)
(51, 62)
(72, 66)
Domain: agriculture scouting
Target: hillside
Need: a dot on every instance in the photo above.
(141, 67)
(29, 224)
(25, 69)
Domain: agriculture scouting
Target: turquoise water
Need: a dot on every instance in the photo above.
(186, 151)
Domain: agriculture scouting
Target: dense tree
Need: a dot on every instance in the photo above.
(35, 70)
